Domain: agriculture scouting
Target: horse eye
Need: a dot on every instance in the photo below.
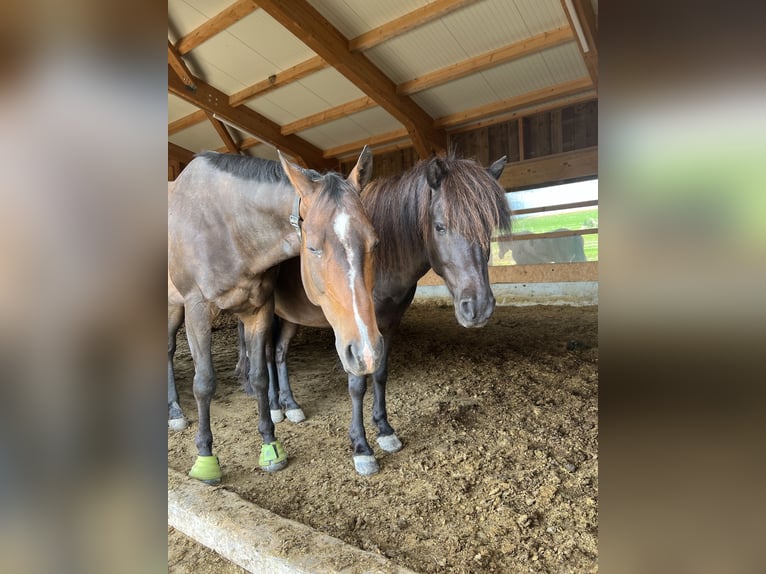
(440, 229)
(374, 245)
(314, 251)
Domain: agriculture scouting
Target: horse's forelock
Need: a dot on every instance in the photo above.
(473, 201)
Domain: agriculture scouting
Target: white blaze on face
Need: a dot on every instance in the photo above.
(341, 226)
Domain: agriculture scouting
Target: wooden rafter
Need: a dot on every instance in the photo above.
(527, 99)
(186, 122)
(487, 60)
(405, 23)
(586, 18)
(213, 100)
(343, 110)
(380, 139)
(246, 143)
(215, 25)
(309, 26)
(231, 145)
(278, 80)
(178, 65)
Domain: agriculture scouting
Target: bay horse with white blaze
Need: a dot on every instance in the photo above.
(438, 215)
(231, 220)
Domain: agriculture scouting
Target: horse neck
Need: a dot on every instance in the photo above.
(407, 273)
(273, 202)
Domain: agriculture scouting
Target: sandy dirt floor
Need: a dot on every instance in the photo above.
(499, 470)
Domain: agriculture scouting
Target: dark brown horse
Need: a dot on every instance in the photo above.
(231, 221)
(438, 215)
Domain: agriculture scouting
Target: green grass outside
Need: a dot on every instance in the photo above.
(550, 222)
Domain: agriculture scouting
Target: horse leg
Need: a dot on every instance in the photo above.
(364, 459)
(387, 439)
(176, 419)
(276, 410)
(293, 410)
(257, 329)
(243, 364)
(199, 318)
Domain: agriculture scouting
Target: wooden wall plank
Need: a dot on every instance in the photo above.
(545, 273)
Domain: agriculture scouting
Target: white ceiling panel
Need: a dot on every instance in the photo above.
(565, 62)
(355, 17)
(267, 38)
(541, 15)
(432, 44)
(458, 95)
(198, 137)
(375, 121)
(332, 87)
(178, 108)
(488, 25)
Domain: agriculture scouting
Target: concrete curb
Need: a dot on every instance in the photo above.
(258, 540)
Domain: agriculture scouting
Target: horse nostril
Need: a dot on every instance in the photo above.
(468, 308)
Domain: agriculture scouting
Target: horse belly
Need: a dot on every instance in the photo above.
(299, 311)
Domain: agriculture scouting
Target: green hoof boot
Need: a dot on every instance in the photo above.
(273, 457)
(206, 469)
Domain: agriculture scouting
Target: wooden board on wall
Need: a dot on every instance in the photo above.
(551, 169)
(552, 273)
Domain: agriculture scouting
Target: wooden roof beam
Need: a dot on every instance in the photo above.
(178, 65)
(278, 80)
(223, 133)
(341, 111)
(309, 26)
(353, 147)
(215, 25)
(187, 121)
(543, 41)
(583, 21)
(405, 23)
(213, 100)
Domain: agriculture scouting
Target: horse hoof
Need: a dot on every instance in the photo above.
(295, 415)
(177, 424)
(273, 457)
(365, 464)
(390, 443)
(206, 469)
(277, 416)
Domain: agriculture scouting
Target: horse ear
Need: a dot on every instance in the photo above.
(362, 172)
(496, 169)
(298, 177)
(436, 171)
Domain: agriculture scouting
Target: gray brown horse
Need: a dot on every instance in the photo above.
(438, 215)
(231, 221)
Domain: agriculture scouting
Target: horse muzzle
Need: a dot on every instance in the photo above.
(361, 357)
(474, 312)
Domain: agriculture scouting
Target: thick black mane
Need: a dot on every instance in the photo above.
(246, 167)
(269, 171)
(474, 205)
